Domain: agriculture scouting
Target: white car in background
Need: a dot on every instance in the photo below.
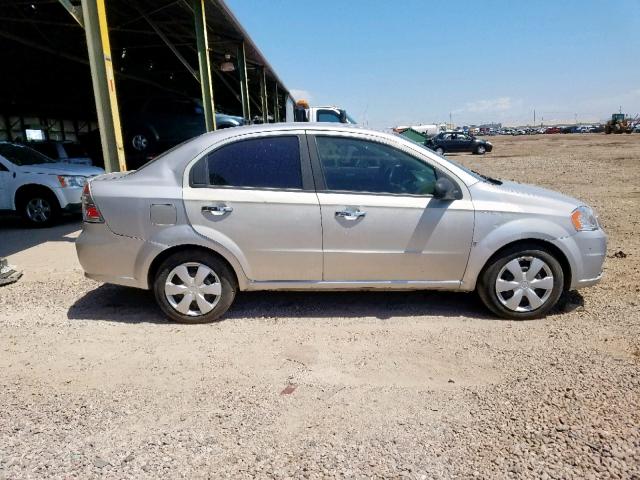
(62, 151)
(38, 187)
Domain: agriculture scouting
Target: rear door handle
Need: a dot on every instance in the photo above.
(220, 209)
(350, 214)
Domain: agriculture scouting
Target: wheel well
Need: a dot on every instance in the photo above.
(550, 247)
(162, 256)
(25, 190)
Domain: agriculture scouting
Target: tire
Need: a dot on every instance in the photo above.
(39, 208)
(141, 141)
(170, 274)
(439, 150)
(506, 304)
(480, 150)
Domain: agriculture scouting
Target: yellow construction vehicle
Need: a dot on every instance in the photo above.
(618, 124)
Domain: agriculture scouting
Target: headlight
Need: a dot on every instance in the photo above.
(584, 219)
(72, 181)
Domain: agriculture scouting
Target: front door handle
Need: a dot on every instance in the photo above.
(220, 209)
(350, 214)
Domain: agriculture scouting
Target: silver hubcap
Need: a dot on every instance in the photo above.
(524, 284)
(193, 289)
(480, 149)
(140, 142)
(38, 210)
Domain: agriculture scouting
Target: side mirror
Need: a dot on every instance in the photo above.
(343, 116)
(445, 189)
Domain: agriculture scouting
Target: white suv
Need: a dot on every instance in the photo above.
(38, 187)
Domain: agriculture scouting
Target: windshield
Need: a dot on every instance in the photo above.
(350, 119)
(74, 150)
(21, 156)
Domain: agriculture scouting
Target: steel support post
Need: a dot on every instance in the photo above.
(104, 86)
(276, 103)
(205, 66)
(244, 82)
(263, 95)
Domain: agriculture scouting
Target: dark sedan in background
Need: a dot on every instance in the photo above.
(455, 142)
(158, 124)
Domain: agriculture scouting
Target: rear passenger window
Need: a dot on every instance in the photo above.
(271, 162)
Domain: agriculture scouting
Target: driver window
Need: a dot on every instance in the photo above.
(355, 165)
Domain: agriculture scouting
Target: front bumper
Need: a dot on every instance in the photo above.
(68, 196)
(586, 252)
(73, 208)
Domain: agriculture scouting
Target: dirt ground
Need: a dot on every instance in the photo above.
(95, 383)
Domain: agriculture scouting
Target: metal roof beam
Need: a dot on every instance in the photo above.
(74, 11)
(171, 46)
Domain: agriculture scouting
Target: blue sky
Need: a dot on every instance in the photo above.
(416, 61)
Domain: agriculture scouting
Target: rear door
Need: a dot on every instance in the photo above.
(379, 218)
(255, 196)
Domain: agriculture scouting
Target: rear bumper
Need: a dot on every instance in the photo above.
(107, 257)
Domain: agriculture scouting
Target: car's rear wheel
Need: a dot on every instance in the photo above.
(194, 287)
(439, 150)
(522, 283)
(39, 208)
(480, 150)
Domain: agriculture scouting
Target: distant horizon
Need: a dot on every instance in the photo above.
(480, 61)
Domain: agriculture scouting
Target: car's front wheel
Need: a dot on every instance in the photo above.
(194, 287)
(480, 150)
(521, 283)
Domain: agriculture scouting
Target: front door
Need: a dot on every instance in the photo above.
(380, 220)
(463, 143)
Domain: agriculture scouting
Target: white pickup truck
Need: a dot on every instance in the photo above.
(38, 187)
(302, 112)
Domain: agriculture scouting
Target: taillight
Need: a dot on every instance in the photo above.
(90, 211)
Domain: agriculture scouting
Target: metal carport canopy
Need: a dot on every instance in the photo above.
(154, 48)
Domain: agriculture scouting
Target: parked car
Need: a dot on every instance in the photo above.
(38, 187)
(62, 151)
(450, 142)
(328, 206)
(553, 130)
(159, 123)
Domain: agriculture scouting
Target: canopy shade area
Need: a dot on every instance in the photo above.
(155, 49)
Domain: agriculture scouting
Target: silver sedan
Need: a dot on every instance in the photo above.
(315, 207)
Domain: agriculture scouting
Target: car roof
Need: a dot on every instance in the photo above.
(175, 159)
